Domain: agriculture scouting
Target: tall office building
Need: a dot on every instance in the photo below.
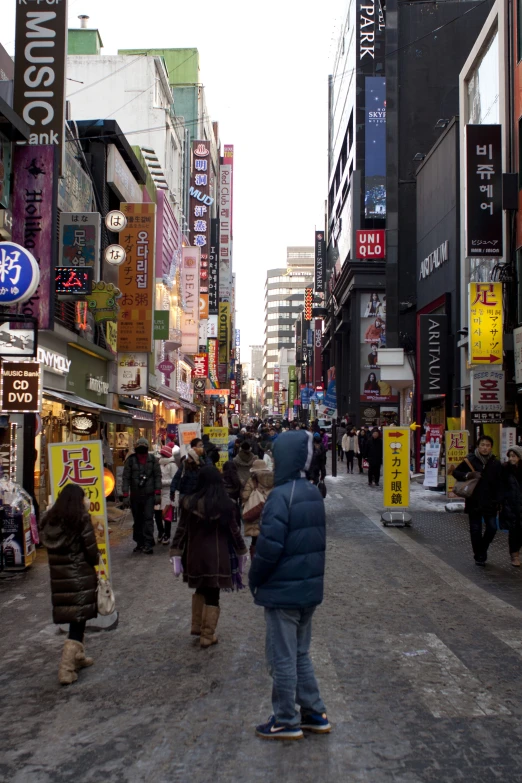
(256, 362)
(284, 298)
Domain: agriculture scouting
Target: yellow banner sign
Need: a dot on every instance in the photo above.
(485, 324)
(456, 452)
(396, 459)
(224, 332)
(82, 464)
(219, 436)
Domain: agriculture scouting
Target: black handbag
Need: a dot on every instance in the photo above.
(322, 488)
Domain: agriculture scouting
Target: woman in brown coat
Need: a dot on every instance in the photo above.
(206, 538)
(66, 531)
(262, 479)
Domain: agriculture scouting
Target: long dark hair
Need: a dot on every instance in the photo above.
(210, 496)
(69, 509)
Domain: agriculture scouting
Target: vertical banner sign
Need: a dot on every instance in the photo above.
(375, 151)
(200, 206)
(212, 351)
(136, 278)
(456, 452)
(484, 215)
(308, 297)
(213, 268)
(434, 437)
(517, 338)
(190, 299)
(219, 436)
(396, 458)
(486, 323)
(82, 464)
(318, 346)
(508, 439)
(39, 90)
(201, 365)
(433, 354)
(228, 159)
(487, 391)
(225, 233)
(320, 261)
(34, 197)
(224, 338)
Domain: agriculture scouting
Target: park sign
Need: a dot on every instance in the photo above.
(19, 274)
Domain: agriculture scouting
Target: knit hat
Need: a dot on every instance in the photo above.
(516, 450)
(166, 451)
(142, 442)
(317, 436)
(258, 465)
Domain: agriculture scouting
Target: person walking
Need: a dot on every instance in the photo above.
(374, 456)
(231, 481)
(317, 470)
(244, 461)
(261, 480)
(141, 485)
(163, 515)
(341, 432)
(350, 447)
(286, 578)
(484, 502)
(511, 501)
(209, 550)
(66, 531)
(186, 477)
(361, 438)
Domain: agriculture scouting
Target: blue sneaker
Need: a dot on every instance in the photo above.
(314, 721)
(274, 730)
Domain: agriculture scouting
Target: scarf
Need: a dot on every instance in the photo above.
(482, 457)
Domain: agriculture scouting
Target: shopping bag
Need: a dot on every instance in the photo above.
(366, 464)
(167, 513)
(105, 596)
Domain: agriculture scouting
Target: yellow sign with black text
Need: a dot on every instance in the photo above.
(485, 324)
(396, 460)
(456, 452)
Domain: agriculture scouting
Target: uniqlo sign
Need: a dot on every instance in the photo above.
(487, 391)
(370, 244)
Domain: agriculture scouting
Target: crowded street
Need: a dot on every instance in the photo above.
(416, 651)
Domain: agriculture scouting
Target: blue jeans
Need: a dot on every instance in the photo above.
(288, 637)
(479, 541)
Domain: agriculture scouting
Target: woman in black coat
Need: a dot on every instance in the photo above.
(66, 531)
(511, 499)
(207, 531)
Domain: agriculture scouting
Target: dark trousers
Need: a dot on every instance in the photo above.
(142, 508)
(349, 461)
(480, 541)
(515, 539)
(164, 527)
(210, 594)
(374, 473)
(360, 462)
(77, 631)
(340, 451)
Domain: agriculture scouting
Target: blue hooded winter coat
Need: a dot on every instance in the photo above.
(287, 571)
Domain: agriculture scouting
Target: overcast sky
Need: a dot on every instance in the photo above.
(265, 69)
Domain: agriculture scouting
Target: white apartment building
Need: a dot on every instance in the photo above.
(284, 299)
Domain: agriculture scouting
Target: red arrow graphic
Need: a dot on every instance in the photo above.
(489, 358)
(396, 434)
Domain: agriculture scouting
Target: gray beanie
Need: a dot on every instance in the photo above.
(516, 450)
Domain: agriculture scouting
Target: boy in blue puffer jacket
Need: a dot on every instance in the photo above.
(286, 578)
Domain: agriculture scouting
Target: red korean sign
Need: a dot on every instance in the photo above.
(201, 365)
(370, 244)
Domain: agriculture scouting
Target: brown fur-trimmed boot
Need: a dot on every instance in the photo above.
(198, 602)
(67, 671)
(208, 625)
(81, 659)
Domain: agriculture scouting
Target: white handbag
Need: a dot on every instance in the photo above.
(105, 596)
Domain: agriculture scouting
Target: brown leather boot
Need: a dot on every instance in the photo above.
(198, 602)
(81, 659)
(67, 671)
(208, 626)
(515, 559)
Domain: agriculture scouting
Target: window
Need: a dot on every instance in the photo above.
(483, 87)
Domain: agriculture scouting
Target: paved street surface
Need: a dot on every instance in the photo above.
(417, 651)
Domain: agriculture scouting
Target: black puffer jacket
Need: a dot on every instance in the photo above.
(486, 496)
(72, 558)
(133, 470)
(511, 497)
(186, 478)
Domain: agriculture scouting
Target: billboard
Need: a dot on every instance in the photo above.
(375, 147)
(373, 337)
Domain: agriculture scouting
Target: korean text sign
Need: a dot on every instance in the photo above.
(82, 464)
(200, 205)
(136, 278)
(396, 458)
(456, 452)
(485, 323)
(484, 215)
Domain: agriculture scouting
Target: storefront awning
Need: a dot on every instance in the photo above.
(189, 406)
(138, 414)
(73, 401)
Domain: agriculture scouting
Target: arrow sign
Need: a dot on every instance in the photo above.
(489, 358)
(396, 434)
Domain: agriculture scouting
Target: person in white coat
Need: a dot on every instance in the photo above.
(168, 465)
(350, 446)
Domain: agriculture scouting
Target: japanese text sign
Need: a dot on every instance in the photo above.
(370, 244)
(80, 239)
(19, 274)
(485, 323)
(396, 458)
(487, 391)
(136, 278)
(484, 215)
(213, 268)
(82, 464)
(456, 452)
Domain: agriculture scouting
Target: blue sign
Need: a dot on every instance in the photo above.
(330, 398)
(306, 394)
(19, 274)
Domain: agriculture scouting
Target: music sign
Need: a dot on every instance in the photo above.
(370, 244)
(486, 323)
(21, 390)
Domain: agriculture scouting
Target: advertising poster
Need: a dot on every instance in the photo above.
(396, 459)
(486, 324)
(375, 148)
(82, 464)
(508, 439)
(456, 452)
(186, 432)
(219, 436)
(373, 336)
(434, 436)
(133, 373)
